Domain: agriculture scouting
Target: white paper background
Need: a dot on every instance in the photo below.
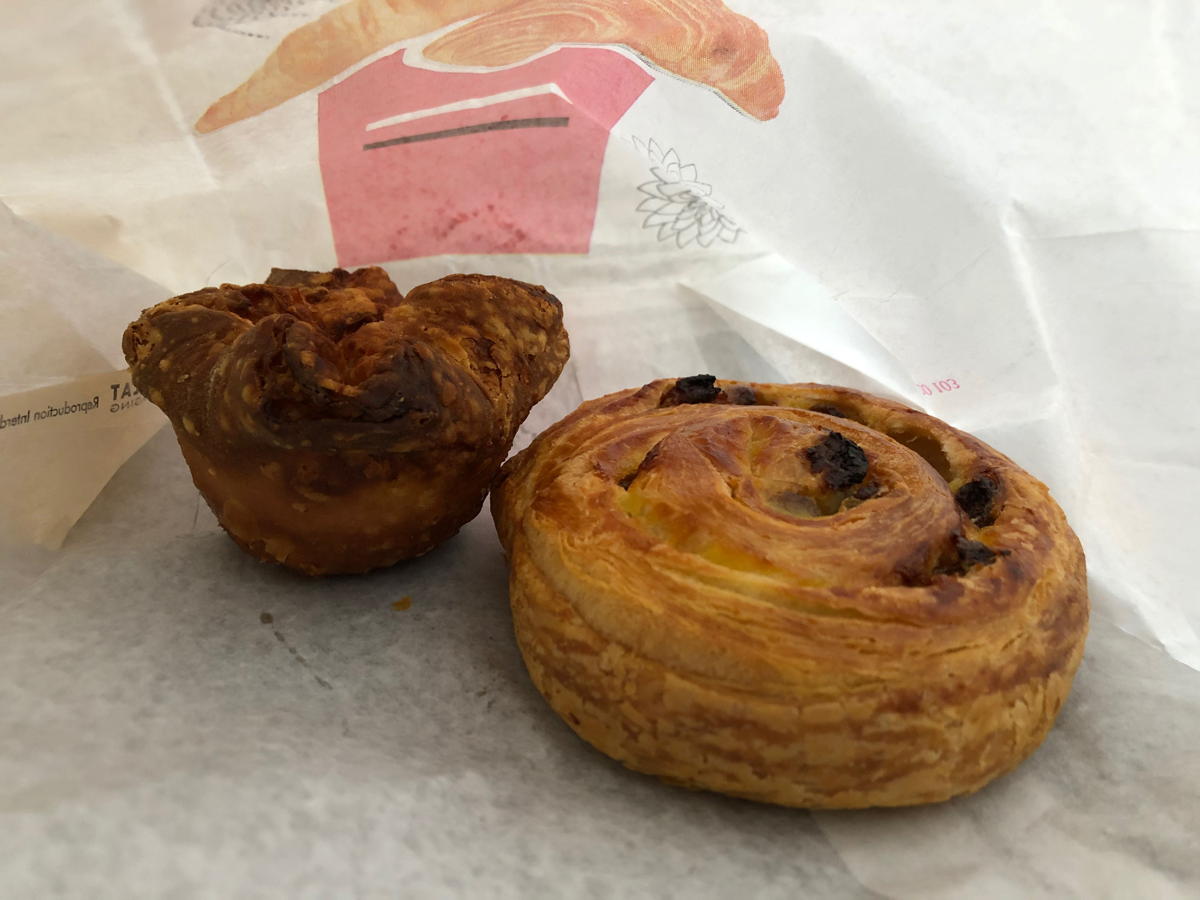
(1002, 194)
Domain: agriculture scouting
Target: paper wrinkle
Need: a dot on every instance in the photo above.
(1147, 618)
(152, 63)
(952, 146)
(63, 308)
(68, 416)
(777, 354)
(1020, 221)
(1095, 145)
(939, 155)
(1142, 548)
(774, 293)
(1132, 520)
(1171, 19)
(1028, 294)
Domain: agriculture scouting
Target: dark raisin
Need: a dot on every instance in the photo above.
(968, 553)
(973, 553)
(978, 499)
(841, 462)
(829, 409)
(646, 462)
(867, 491)
(741, 395)
(693, 389)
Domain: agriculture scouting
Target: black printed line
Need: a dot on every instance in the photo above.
(503, 125)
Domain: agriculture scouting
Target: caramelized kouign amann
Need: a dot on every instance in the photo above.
(334, 425)
(799, 594)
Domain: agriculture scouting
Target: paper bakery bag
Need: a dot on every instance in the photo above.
(69, 416)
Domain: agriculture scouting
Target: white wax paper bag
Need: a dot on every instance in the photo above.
(69, 416)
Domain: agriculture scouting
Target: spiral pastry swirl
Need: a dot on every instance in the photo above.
(798, 594)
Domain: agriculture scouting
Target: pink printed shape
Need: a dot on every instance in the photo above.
(517, 175)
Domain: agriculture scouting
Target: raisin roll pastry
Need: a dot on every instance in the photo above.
(336, 426)
(798, 594)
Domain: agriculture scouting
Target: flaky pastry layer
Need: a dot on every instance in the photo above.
(334, 425)
(798, 594)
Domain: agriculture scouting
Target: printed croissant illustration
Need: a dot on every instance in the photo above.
(336, 426)
(699, 40)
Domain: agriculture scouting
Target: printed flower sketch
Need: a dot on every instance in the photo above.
(252, 18)
(678, 204)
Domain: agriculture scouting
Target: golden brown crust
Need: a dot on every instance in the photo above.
(336, 426)
(799, 594)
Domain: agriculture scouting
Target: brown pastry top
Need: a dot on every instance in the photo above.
(342, 361)
(754, 534)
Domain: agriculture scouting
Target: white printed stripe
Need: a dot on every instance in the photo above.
(472, 103)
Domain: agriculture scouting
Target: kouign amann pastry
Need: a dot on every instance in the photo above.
(798, 594)
(334, 425)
